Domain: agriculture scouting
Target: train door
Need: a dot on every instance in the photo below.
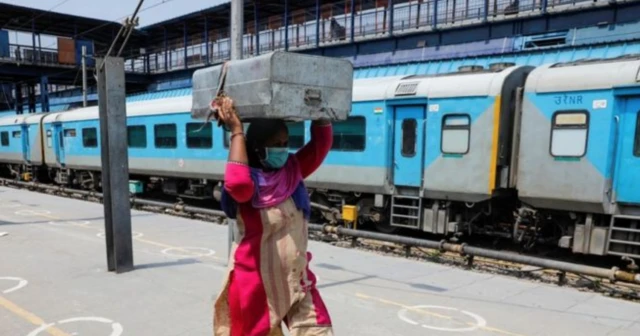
(58, 143)
(408, 146)
(628, 172)
(26, 148)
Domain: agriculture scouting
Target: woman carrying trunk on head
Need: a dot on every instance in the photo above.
(269, 281)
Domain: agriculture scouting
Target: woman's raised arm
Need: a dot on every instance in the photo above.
(313, 153)
(237, 175)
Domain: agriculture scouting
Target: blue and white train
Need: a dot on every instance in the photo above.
(547, 154)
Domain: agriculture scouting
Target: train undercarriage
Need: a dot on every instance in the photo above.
(502, 218)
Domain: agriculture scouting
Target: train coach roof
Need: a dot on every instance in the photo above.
(584, 75)
(472, 84)
(141, 108)
(17, 119)
(375, 88)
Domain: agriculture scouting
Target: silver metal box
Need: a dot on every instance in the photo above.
(281, 85)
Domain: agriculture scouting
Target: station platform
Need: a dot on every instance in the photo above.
(53, 281)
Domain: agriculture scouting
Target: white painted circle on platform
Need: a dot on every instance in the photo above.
(133, 234)
(70, 223)
(21, 283)
(203, 252)
(478, 321)
(32, 212)
(116, 328)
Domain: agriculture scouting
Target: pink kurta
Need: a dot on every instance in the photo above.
(269, 281)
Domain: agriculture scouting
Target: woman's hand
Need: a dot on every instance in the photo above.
(227, 114)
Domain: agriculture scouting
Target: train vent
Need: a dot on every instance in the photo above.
(500, 66)
(407, 89)
(470, 68)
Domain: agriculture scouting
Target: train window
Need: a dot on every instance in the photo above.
(569, 133)
(409, 129)
(70, 133)
(166, 136)
(199, 138)
(4, 139)
(456, 134)
(90, 137)
(350, 134)
(296, 134)
(16, 134)
(137, 136)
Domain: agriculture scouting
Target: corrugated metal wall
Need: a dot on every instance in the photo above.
(534, 58)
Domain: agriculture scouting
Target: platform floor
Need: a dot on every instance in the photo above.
(53, 275)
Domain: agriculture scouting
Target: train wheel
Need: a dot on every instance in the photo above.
(384, 226)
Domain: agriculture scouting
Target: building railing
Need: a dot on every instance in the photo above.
(23, 54)
(303, 30)
(332, 24)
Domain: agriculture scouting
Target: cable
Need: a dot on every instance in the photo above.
(41, 14)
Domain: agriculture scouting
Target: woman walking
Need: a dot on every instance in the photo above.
(269, 281)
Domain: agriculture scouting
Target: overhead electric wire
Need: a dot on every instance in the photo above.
(40, 15)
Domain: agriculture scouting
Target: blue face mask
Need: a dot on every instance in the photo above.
(276, 157)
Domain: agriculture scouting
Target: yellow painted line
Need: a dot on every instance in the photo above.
(494, 144)
(428, 313)
(30, 317)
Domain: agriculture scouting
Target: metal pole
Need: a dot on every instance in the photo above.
(317, 23)
(286, 25)
(237, 18)
(115, 164)
(257, 26)
(237, 23)
(84, 76)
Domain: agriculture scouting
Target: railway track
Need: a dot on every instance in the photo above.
(611, 282)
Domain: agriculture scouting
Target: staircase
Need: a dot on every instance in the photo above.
(624, 236)
(406, 211)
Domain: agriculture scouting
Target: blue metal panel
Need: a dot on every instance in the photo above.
(4, 43)
(627, 178)
(89, 45)
(160, 95)
(408, 148)
(605, 34)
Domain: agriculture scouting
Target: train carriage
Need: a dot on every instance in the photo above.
(21, 145)
(440, 139)
(580, 152)
(163, 142)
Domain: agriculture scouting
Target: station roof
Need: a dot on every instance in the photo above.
(25, 19)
